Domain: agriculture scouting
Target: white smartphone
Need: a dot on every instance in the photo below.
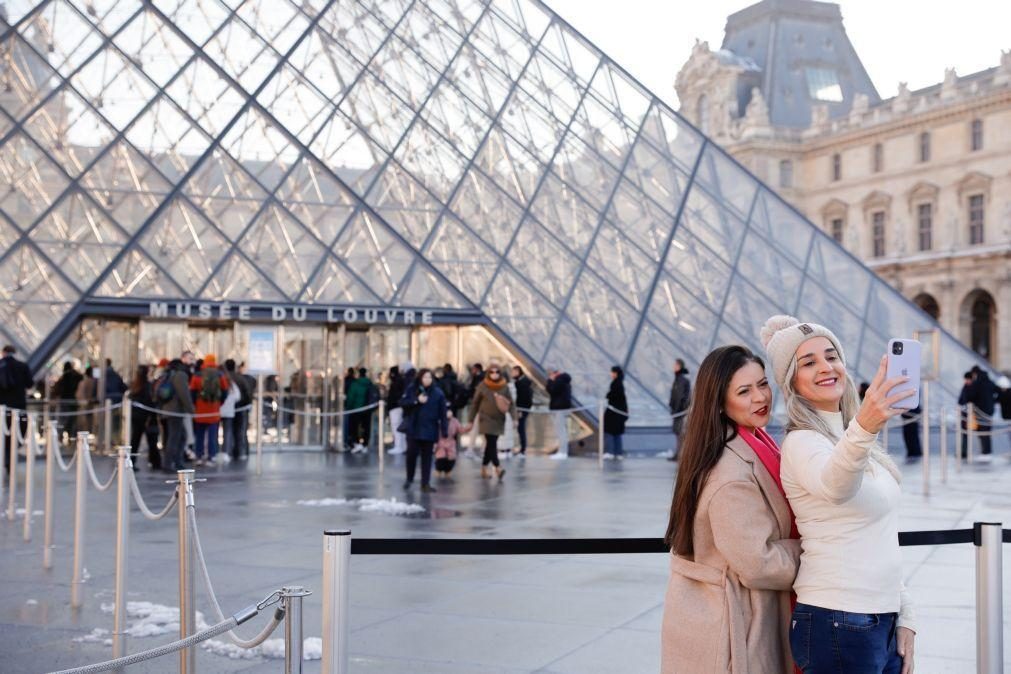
(904, 361)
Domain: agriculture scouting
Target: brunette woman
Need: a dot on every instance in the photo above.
(425, 410)
(852, 613)
(615, 415)
(492, 401)
(144, 422)
(733, 554)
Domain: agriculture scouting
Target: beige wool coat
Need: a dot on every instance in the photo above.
(727, 609)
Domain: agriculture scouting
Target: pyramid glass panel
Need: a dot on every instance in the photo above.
(475, 157)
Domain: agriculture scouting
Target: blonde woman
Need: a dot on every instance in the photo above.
(852, 614)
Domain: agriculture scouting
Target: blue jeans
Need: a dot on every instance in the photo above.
(612, 444)
(206, 433)
(824, 641)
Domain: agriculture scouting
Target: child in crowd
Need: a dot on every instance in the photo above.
(445, 449)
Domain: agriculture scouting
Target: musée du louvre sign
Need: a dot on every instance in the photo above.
(228, 311)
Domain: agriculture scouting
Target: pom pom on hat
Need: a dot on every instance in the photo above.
(782, 336)
(773, 325)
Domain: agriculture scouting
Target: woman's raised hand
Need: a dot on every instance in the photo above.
(878, 406)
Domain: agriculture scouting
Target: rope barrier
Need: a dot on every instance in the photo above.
(194, 415)
(206, 576)
(91, 471)
(542, 410)
(584, 546)
(326, 414)
(158, 652)
(147, 512)
(84, 412)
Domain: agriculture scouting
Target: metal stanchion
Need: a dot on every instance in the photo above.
(3, 442)
(123, 477)
(81, 482)
(47, 535)
(12, 488)
(600, 432)
(291, 600)
(381, 435)
(127, 422)
(259, 424)
(925, 420)
(187, 608)
(959, 430)
(970, 433)
(989, 598)
(944, 447)
(336, 577)
(31, 444)
(107, 423)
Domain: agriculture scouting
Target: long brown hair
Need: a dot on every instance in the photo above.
(707, 431)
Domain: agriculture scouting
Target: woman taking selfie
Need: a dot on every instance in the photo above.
(425, 422)
(852, 612)
(733, 560)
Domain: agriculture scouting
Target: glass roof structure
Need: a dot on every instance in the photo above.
(447, 153)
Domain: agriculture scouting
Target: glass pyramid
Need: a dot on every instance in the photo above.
(446, 153)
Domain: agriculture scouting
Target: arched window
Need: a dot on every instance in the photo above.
(979, 323)
(927, 302)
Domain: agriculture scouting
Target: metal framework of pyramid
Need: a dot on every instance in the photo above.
(445, 153)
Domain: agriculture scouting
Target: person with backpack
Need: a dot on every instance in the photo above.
(239, 444)
(15, 380)
(143, 422)
(209, 387)
(172, 391)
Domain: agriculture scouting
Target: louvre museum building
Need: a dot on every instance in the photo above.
(379, 181)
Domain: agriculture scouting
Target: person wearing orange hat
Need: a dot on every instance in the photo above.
(209, 387)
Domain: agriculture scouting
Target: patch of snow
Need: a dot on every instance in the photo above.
(153, 619)
(271, 649)
(32, 602)
(20, 512)
(389, 506)
(97, 636)
(84, 574)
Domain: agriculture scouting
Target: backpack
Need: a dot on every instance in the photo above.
(210, 387)
(163, 389)
(372, 397)
(461, 396)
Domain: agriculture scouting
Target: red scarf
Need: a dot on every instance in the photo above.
(768, 453)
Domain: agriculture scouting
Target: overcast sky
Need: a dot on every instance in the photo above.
(898, 40)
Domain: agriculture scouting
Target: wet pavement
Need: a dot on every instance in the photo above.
(440, 614)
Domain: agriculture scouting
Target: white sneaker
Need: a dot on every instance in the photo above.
(559, 457)
(359, 449)
(396, 450)
(608, 456)
(983, 458)
(620, 457)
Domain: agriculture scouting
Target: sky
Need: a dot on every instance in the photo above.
(898, 40)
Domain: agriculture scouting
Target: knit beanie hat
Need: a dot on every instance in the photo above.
(782, 336)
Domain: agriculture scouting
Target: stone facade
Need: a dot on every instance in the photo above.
(917, 186)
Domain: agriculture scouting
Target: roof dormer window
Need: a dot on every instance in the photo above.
(823, 85)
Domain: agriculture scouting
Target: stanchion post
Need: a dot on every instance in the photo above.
(601, 408)
(107, 423)
(959, 430)
(80, 493)
(292, 601)
(944, 447)
(31, 444)
(970, 432)
(124, 474)
(925, 420)
(259, 424)
(12, 487)
(381, 435)
(47, 534)
(187, 609)
(336, 581)
(989, 598)
(127, 422)
(3, 442)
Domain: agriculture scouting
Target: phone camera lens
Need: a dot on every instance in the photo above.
(897, 348)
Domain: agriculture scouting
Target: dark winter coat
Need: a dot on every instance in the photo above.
(358, 393)
(680, 395)
(395, 390)
(524, 393)
(614, 422)
(115, 387)
(17, 379)
(426, 421)
(983, 393)
(560, 390)
(66, 386)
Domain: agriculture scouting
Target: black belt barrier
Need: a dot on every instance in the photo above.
(590, 546)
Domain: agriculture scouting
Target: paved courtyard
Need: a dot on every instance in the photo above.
(439, 614)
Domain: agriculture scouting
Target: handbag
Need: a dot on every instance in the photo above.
(502, 403)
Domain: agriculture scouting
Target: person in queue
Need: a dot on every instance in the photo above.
(426, 420)
(491, 404)
(734, 552)
(853, 613)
